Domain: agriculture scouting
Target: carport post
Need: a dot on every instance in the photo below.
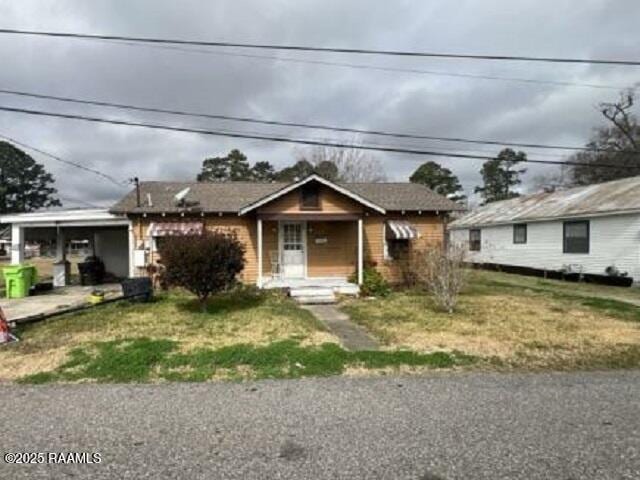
(17, 244)
(61, 251)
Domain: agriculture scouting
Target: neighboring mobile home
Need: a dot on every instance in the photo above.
(593, 229)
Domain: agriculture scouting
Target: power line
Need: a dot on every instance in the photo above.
(62, 160)
(388, 149)
(79, 201)
(360, 51)
(300, 125)
(377, 67)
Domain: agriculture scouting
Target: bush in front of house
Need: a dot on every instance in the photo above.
(373, 283)
(203, 264)
(441, 272)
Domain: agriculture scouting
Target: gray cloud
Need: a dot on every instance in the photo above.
(286, 91)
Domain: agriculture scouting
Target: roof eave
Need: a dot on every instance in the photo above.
(289, 188)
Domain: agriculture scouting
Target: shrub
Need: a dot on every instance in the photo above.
(203, 264)
(373, 283)
(442, 273)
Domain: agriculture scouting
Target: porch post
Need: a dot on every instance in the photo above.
(132, 246)
(259, 282)
(360, 253)
(17, 244)
(61, 251)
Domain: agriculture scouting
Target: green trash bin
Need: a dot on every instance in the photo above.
(18, 280)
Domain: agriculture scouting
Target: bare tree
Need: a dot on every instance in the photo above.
(550, 182)
(439, 271)
(615, 144)
(443, 273)
(353, 165)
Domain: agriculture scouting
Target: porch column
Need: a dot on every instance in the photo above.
(360, 253)
(17, 244)
(259, 282)
(132, 246)
(61, 251)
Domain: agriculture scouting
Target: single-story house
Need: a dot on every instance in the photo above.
(304, 231)
(307, 229)
(588, 230)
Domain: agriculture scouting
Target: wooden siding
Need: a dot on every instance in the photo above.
(331, 202)
(614, 240)
(244, 227)
(339, 255)
(430, 229)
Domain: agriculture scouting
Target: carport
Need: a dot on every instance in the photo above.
(110, 236)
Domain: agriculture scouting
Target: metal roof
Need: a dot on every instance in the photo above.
(615, 197)
(64, 217)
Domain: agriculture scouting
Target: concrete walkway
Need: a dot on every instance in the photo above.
(352, 336)
(18, 309)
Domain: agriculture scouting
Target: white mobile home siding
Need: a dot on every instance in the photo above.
(614, 240)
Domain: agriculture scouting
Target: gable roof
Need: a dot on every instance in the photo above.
(232, 197)
(615, 197)
(311, 178)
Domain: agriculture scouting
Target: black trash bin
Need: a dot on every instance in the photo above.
(137, 289)
(91, 271)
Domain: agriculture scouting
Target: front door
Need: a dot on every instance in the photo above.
(292, 249)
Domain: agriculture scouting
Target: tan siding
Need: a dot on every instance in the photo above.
(337, 257)
(330, 202)
(430, 228)
(245, 228)
(269, 244)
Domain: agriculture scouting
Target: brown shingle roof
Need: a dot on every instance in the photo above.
(232, 196)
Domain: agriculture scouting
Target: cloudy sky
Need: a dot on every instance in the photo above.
(221, 82)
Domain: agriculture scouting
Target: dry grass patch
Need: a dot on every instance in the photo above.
(510, 326)
(244, 316)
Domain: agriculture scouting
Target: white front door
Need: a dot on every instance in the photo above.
(292, 249)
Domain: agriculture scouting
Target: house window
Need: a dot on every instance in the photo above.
(474, 239)
(520, 233)
(310, 196)
(157, 243)
(397, 248)
(576, 237)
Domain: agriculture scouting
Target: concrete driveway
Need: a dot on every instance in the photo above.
(453, 426)
(19, 309)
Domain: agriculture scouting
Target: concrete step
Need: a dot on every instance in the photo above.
(311, 292)
(316, 299)
(348, 289)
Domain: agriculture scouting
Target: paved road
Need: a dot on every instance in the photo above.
(454, 426)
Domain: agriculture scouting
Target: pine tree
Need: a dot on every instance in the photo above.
(499, 176)
(25, 185)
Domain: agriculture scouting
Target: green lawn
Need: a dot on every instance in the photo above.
(513, 321)
(244, 334)
(502, 322)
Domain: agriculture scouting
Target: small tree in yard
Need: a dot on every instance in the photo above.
(203, 264)
(443, 274)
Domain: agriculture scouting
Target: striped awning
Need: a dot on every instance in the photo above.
(401, 230)
(166, 229)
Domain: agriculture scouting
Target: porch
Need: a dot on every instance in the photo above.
(338, 285)
(306, 251)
